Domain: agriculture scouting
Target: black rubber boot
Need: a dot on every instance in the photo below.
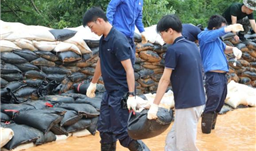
(137, 145)
(108, 147)
(206, 124)
(214, 120)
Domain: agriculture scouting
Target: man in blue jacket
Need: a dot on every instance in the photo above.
(124, 15)
(115, 67)
(215, 65)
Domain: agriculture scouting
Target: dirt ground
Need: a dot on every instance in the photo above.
(235, 131)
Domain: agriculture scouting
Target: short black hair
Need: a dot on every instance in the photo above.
(92, 14)
(216, 21)
(169, 21)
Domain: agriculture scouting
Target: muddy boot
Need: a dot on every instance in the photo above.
(137, 145)
(108, 147)
(206, 124)
(214, 120)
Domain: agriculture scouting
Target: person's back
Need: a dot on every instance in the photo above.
(190, 32)
(125, 14)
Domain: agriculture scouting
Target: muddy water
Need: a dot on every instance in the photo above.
(235, 131)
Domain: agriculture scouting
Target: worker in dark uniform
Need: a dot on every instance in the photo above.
(116, 68)
(241, 13)
(190, 32)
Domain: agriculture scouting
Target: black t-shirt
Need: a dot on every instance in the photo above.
(190, 32)
(112, 50)
(235, 10)
(184, 59)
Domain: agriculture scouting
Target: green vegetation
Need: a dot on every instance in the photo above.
(68, 13)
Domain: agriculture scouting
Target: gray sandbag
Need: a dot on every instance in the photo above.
(55, 70)
(77, 77)
(62, 34)
(93, 126)
(22, 135)
(33, 74)
(43, 62)
(56, 77)
(33, 82)
(4, 117)
(13, 86)
(88, 70)
(40, 119)
(25, 92)
(48, 55)
(58, 99)
(69, 56)
(78, 126)
(9, 68)
(12, 77)
(12, 58)
(24, 67)
(45, 138)
(95, 102)
(92, 43)
(3, 82)
(139, 127)
(70, 118)
(58, 130)
(86, 110)
(145, 73)
(74, 95)
(27, 54)
(38, 104)
(137, 67)
(13, 109)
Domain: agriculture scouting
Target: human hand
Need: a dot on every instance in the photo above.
(152, 112)
(132, 103)
(235, 28)
(236, 38)
(143, 38)
(237, 52)
(91, 90)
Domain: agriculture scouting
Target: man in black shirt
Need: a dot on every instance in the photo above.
(241, 13)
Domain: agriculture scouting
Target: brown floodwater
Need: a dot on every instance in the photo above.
(234, 131)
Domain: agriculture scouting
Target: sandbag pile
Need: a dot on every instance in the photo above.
(41, 121)
(245, 70)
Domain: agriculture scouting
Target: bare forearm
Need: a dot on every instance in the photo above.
(130, 79)
(97, 73)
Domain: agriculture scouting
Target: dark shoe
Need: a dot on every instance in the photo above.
(137, 145)
(206, 124)
(214, 120)
(108, 147)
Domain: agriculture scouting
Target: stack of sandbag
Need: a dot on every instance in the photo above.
(56, 117)
(244, 70)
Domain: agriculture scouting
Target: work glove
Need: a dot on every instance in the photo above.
(152, 112)
(143, 38)
(132, 103)
(237, 52)
(235, 28)
(91, 90)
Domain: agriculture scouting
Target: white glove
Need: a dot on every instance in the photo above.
(143, 38)
(152, 112)
(235, 28)
(91, 90)
(237, 53)
(132, 103)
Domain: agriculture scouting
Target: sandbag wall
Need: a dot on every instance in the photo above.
(244, 70)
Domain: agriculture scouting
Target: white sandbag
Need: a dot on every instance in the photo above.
(6, 45)
(62, 137)
(25, 44)
(21, 31)
(81, 133)
(85, 33)
(45, 45)
(62, 46)
(167, 101)
(21, 147)
(240, 94)
(80, 43)
(151, 35)
(6, 135)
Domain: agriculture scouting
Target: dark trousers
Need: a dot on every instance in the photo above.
(216, 91)
(113, 120)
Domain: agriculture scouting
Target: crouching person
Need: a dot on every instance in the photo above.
(183, 69)
(116, 68)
